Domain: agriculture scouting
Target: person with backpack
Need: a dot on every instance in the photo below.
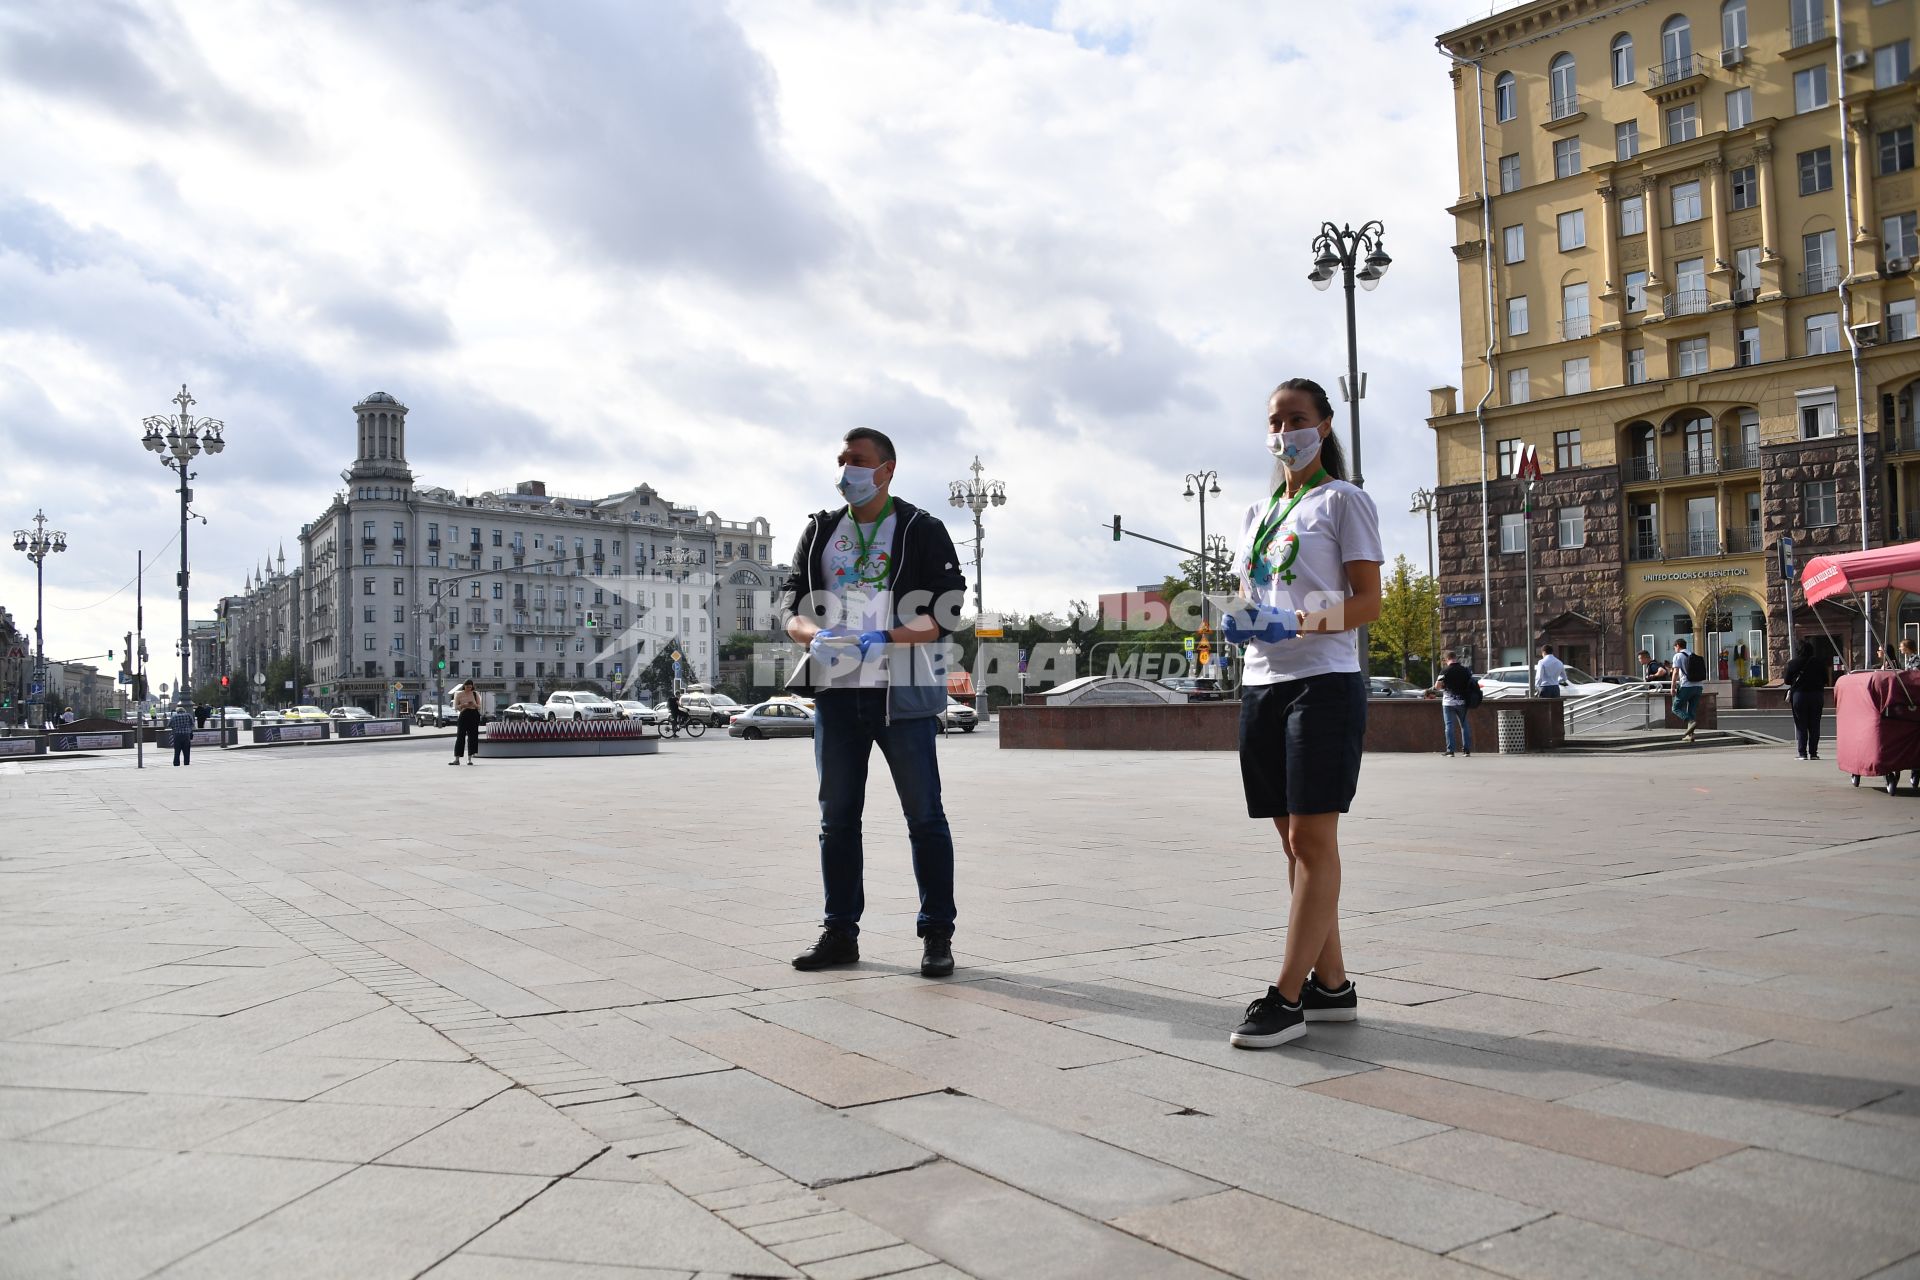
(1459, 693)
(1689, 674)
(1806, 681)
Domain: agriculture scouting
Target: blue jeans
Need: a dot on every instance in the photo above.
(1686, 702)
(848, 724)
(1454, 719)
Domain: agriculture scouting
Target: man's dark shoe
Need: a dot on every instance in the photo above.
(834, 948)
(1338, 1004)
(1270, 1021)
(936, 956)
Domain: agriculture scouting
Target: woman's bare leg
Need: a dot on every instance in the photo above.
(1311, 841)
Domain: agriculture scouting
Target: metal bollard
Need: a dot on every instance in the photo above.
(1513, 733)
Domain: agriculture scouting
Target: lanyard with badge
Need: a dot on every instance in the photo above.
(866, 542)
(1258, 570)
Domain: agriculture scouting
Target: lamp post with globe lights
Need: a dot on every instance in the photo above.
(178, 439)
(38, 542)
(1340, 249)
(978, 494)
(1200, 485)
(1423, 503)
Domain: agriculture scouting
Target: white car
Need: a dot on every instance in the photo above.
(958, 715)
(239, 717)
(640, 711)
(580, 705)
(1511, 682)
(349, 713)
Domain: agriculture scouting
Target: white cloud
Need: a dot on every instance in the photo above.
(606, 244)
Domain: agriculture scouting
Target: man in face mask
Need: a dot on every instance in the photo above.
(875, 589)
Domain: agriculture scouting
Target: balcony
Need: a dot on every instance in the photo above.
(1687, 302)
(369, 540)
(433, 541)
(1740, 457)
(1576, 327)
(1701, 542)
(1747, 539)
(1641, 548)
(1641, 470)
(1568, 109)
(1668, 75)
(1802, 34)
(1819, 280)
(1699, 462)
(538, 629)
(479, 628)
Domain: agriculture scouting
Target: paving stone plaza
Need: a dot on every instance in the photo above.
(343, 1012)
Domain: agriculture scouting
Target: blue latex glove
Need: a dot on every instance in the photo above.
(826, 642)
(1269, 625)
(869, 639)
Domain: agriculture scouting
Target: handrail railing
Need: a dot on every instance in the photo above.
(1597, 709)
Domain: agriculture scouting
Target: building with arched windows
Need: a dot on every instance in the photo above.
(1686, 250)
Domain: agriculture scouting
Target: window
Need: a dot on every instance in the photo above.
(1573, 229)
(1819, 503)
(1626, 140)
(367, 614)
(1807, 22)
(433, 533)
(1571, 526)
(1513, 533)
(1566, 157)
(1686, 202)
(1690, 282)
(1561, 85)
(1514, 241)
(1676, 47)
(1576, 321)
(1506, 458)
(366, 530)
(1566, 450)
(1518, 390)
(1633, 215)
(1683, 123)
(1516, 316)
(1739, 109)
(1816, 170)
(1636, 291)
(1577, 376)
(399, 613)
(367, 644)
(1733, 24)
(399, 531)
(1509, 173)
(1691, 357)
(1823, 333)
(1743, 184)
(1819, 414)
(1622, 52)
(1892, 64)
(1746, 347)
(1896, 149)
(1505, 97)
(366, 586)
(496, 537)
(366, 557)
(1636, 366)
(399, 586)
(1900, 316)
(1897, 233)
(399, 557)
(1823, 269)
(1810, 89)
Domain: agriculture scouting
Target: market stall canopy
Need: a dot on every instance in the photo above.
(1894, 568)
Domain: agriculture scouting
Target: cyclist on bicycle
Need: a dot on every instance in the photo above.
(675, 716)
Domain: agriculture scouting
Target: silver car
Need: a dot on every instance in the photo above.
(780, 719)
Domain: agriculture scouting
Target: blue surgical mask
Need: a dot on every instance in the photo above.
(857, 484)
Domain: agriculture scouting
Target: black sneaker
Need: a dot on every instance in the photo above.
(834, 948)
(936, 956)
(1341, 1004)
(1270, 1021)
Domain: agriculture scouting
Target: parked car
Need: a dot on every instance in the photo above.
(716, 709)
(436, 715)
(1511, 682)
(631, 710)
(270, 717)
(305, 712)
(525, 711)
(238, 717)
(958, 715)
(580, 704)
(1196, 688)
(1392, 687)
(349, 713)
(776, 719)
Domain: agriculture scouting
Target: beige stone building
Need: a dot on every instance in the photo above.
(1686, 241)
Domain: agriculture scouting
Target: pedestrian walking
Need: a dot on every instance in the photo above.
(200, 714)
(1309, 563)
(875, 587)
(1457, 689)
(1806, 681)
(182, 726)
(1652, 669)
(1549, 673)
(466, 727)
(1689, 674)
(67, 716)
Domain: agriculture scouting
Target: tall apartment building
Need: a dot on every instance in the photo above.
(1686, 236)
(521, 591)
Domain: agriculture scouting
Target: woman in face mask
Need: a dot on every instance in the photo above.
(1309, 565)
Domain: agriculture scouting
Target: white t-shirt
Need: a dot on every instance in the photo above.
(1549, 672)
(863, 585)
(1335, 522)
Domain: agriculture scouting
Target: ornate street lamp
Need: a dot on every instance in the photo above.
(178, 439)
(1423, 503)
(979, 494)
(39, 543)
(1340, 249)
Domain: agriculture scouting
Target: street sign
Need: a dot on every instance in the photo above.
(1023, 662)
(989, 627)
(259, 677)
(1189, 644)
(1789, 571)
(1529, 468)
(289, 684)
(36, 689)
(1460, 599)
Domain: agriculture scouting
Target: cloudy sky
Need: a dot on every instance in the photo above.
(690, 243)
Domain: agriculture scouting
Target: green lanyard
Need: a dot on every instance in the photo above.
(1271, 524)
(867, 540)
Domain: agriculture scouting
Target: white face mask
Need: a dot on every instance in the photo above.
(857, 485)
(1295, 449)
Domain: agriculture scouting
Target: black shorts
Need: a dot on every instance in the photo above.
(1300, 744)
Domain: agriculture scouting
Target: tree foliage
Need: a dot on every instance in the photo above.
(1409, 601)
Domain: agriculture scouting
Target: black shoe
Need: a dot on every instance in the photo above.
(1270, 1021)
(1338, 1004)
(936, 956)
(834, 948)
(454, 763)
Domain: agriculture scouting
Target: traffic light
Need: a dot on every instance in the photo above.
(126, 657)
(223, 682)
(592, 620)
(1116, 528)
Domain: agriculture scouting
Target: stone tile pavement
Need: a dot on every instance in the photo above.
(340, 1013)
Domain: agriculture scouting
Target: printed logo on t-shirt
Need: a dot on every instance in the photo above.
(852, 569)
